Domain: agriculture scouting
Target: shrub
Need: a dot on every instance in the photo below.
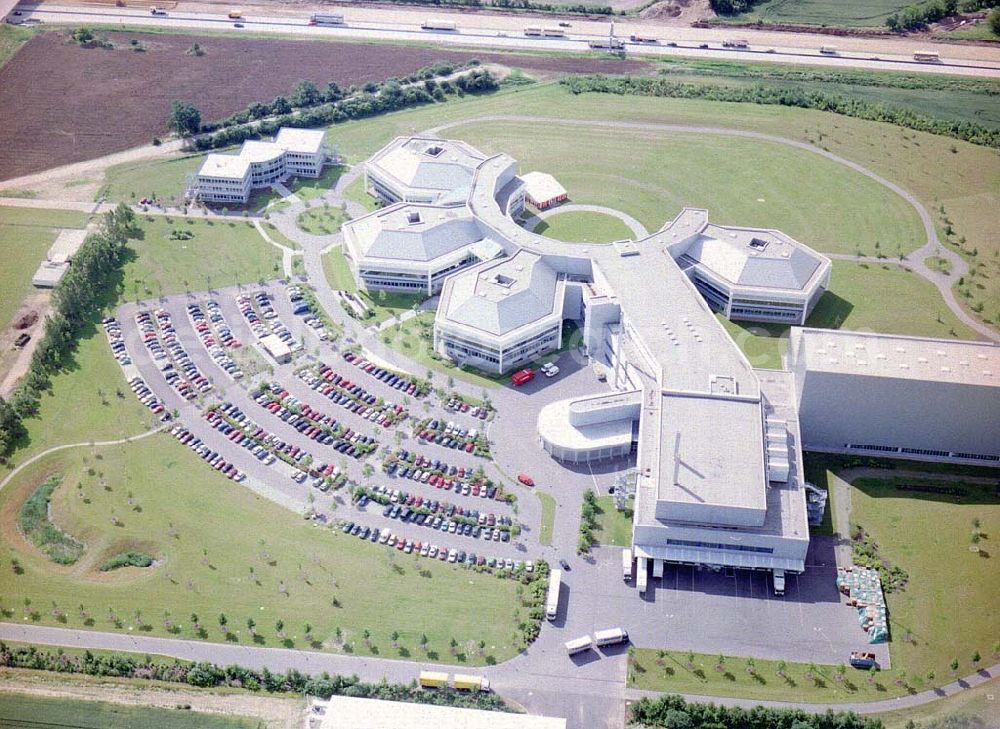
(127, 559)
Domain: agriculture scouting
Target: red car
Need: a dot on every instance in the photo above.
(525, 479)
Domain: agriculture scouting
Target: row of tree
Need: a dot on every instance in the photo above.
(805, 99)
(731, 7)
(673, 712)
(76, 300)
(920, 15)
(536, 7)
(388, 97)
(207, 675)
(185, 119)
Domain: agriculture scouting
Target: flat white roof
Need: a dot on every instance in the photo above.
(49, 274)
(232, 166)
(348, 712)
(66, 244)
(305, 141)
(555, 422)
(411, 232)
(273, 344)
(428, 164)
(896, 356)
(542, 187)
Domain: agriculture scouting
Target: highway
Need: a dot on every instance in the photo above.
(507, 33)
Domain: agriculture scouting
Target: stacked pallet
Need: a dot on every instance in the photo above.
(863, 588)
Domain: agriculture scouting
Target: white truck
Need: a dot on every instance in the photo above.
(552, 601)
(326, 19)
(578, 645)
(431, 24)
(779, 582)
(626, 564)
(611, 636)
(641, 576)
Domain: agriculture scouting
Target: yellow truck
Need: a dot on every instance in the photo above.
(433, 679)
(471, 683)
(235, 14)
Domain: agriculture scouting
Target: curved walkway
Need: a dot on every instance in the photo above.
(637, 228)
(932, 247)
(93, 444)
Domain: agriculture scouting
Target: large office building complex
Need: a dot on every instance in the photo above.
(231, 178)
(902, 397)
(717, 444)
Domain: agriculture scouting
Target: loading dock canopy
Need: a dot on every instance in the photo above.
(724, 558)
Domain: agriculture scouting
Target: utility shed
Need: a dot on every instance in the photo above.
(49, 274)
(543, 190)
(273, 345)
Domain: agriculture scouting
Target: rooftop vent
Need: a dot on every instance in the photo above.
(757, 244)
(434, 150)
(501, 280)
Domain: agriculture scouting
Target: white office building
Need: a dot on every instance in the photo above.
(898, 397)
(501, 315)
(412, 248)
(231, 178)
(749, 274)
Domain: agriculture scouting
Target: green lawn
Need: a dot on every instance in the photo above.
(24, 710)
(321, 220)
(671, 671)
(310, 189)
(763, 344)
(548, 517)
(981, 32)
(941, 614)
(741, 181)
(219, 254)
(851, 13)
(278, 237)
(979, 702)
(274, 567)
(25, 236)
(583, 227)
(163, 179)
(338, 273)
(613, 527)
(356, 192)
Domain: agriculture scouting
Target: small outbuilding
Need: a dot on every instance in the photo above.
(543, 190)
(49, 274)
(279, 351)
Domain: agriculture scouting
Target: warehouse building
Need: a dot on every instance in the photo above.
(231, 178)
(749, 274)
(895, 396)
(501, 315)
(349, 712)
(412, 248)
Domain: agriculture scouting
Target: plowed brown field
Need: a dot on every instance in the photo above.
(60, 103)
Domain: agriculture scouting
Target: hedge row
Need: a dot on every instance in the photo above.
(759, 94)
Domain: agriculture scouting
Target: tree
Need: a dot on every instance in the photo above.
(251, 626)
(976, 658)
(222, 621)
(395, 638)
(994, 21)
(280, 105)
(184, 118)
(423, 642)
(954, 665)
(305, 94)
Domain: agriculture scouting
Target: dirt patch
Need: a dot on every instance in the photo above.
(14, 362)
(275, 713)
(679, 12)
(55, 96)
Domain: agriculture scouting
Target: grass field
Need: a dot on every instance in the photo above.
(278, 237)
(27, 711)
(356, 193)
(743, 182)
(577, 226)
(309, 189)
(219, 254)
(163, 179)
(25, 236)
(321, 220)
(338, 273)
(613, 527)
(851, 13)
(672, 672)
(941, 614)
(978, 702)
(982, 32)
(548, 517)
(275, 567)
